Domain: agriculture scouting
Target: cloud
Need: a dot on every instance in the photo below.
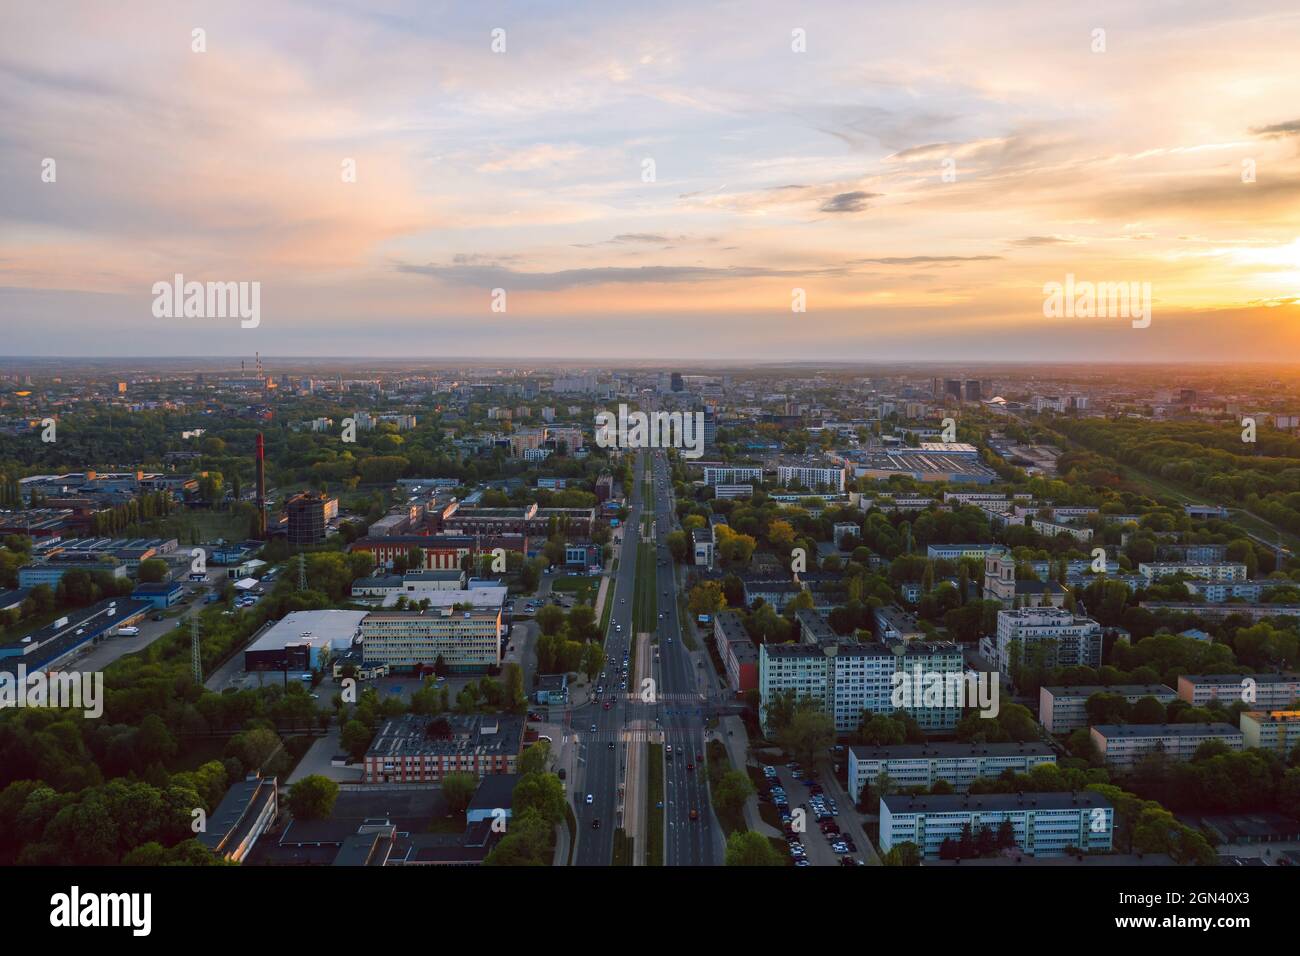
(492, 277)
(922, 260)
(1277, 130)
(1042, 241)
(855, 201)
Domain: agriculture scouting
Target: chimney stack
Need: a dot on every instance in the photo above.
(261, 488)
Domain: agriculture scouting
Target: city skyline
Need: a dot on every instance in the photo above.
(921, 180)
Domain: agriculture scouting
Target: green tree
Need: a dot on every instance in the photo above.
(312, 797)
(458, 789)
(748, 848)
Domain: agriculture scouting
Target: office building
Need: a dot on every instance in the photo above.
(463, 641)
(411, 748)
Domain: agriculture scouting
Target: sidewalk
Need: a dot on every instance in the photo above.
(737, 743)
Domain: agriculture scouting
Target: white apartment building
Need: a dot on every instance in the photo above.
(1043, 824)
(850, 678)
(731, 474)
(1123, 745)
(1063, 710)
(1070, 640)
(922, 765)
(1216, 571)
(1276, 730)
(733, 491)
(1051, 529)
(812, 476)
(1261, 691)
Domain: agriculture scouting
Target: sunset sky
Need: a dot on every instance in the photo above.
(774, 169)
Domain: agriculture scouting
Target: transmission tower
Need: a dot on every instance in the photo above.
(196, 659)
(302, 572)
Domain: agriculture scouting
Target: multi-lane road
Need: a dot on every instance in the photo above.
(676, 715)
(602, 753)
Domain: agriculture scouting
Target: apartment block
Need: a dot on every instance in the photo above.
(1066, 640)
(1261, 691)
(1043, 824)
(849, 678)
(1214, 571)
(1063, 710)
(1122, 746)
(922, 765)
(1276, 730)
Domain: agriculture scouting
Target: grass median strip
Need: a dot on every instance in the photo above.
(654, 849)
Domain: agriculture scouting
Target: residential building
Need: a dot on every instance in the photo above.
(1216, 571)
(1043, 824)
(1276, 730)
(1063, 710)
(1261, 691)
(1122, 746)
(922, 765)
(1052, 635)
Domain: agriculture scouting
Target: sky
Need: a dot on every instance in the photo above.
(647, 181)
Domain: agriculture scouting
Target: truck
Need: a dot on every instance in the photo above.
(128, 631)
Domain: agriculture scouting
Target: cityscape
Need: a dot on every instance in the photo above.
(728, 441)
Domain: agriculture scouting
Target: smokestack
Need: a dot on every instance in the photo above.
(261, 488)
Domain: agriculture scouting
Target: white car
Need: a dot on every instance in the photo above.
(590, 798)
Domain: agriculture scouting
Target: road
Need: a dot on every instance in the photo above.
(600, 768)
(684, 690)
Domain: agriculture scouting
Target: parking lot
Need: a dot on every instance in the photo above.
(820, 811)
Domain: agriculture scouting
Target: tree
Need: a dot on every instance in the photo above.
(458, 788)
(355, 738)
(153, 571)
(707, 598)
(542, 793)
(731, 792)
(810, 732)
(906, 853)
(748, 848)
(312, 797)
(535, 758)
(515, 698)
(549, 619)
(593, 660)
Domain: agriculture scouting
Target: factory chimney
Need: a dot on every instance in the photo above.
(261, 488)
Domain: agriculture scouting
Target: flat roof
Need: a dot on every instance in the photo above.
(1127, 690)
(960, 802)
(318, 628)
(951, 749)
(1236, 679)
(1164, 730)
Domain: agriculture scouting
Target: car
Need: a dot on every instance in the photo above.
(690, 765)
(590, 798)
(694, 814)
(593, 728)
(607, 705)
(595, 824)
(611, 745)
(668, 749)
(699, 756)
(156, 617)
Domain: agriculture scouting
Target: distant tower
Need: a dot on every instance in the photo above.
(196, 658)
(261, 488)
(302, 572)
